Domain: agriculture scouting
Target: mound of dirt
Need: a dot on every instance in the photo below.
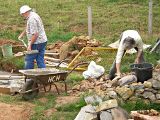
(14, 112)
(7, 41)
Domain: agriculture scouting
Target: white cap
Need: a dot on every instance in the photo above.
(24, 9)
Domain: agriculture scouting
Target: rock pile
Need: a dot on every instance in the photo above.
(124, 89)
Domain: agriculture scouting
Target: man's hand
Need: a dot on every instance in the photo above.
(137, 60)
(29, 48)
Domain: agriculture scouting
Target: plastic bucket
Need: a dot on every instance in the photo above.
(7, 50)
(143, 71)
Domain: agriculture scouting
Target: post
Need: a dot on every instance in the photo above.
(150, 18)
(89, 22)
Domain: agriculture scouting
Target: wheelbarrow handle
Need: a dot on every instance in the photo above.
(79, 64)
(61, 63)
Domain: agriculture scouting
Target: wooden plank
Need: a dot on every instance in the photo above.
(5, 89)
(7, 77)
(51, 59)
(53, 54)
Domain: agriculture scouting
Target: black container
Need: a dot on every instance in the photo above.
(143, 71)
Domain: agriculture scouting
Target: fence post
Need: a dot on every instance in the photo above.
(150, 18)
(89, 22)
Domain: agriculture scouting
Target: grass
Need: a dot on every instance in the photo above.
(74, 107)
(140, 105)
(67, 18)
(74, 78)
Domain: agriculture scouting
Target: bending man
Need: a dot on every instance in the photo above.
(129, 39)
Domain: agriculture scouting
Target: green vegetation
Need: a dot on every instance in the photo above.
(64, 19)
(8, 64)
(74, 107)
(140, 105)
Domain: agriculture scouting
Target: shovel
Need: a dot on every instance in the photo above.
(28, 52)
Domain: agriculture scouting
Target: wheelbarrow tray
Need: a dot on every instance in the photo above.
(45, 75)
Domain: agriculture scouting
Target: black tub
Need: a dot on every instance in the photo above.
(143, 71)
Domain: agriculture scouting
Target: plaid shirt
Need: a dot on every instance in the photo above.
(35, 25)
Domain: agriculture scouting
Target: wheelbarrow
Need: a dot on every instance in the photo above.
(38, 78)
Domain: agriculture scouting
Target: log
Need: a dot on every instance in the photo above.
(53, 54)
(52, 59)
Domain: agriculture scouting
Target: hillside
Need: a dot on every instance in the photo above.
(63, 19)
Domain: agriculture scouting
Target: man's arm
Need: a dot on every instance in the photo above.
(22, 34)
(137, 60)
(118, 66)
(119, 55)
(32, 40)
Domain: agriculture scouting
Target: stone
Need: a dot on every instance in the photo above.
(137, 116)
(158, 96)
(106, 115)
(107, 105)
(76, 87)
(151, 90)
(149, 95)
(137, 85)
(93, 99)
(127, 80)
(119, 114)
(86, 113)
(156, 84)
(112, 94)
(147, 84)
(124, 92)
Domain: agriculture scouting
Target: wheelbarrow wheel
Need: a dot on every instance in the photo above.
(29, 85)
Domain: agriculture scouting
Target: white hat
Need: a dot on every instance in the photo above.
(24, 8)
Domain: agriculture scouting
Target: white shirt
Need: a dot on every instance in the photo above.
(35, 25)
(138, 43)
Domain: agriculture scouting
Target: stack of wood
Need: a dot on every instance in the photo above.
(11, 83)
(59, 51)
(67, 51)
(51, 58)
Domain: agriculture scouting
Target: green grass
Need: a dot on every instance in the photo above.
(74, 78)
(140, 105)
(110, 18)
(67, 18)
(74, 107)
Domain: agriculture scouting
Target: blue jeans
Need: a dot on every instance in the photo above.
(39, 57)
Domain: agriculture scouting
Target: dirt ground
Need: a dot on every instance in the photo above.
(15, 112)
(7, 41)
(26, 109)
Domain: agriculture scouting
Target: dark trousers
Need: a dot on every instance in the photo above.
(113, 70)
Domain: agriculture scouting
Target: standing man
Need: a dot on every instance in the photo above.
(129, 39)
(36, 36)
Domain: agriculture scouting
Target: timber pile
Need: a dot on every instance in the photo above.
(11, 83)
(59, 51)
(67, 51)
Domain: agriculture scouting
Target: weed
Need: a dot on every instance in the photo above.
(72, 107)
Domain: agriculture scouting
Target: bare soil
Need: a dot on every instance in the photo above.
(15, 112)
(7, 41)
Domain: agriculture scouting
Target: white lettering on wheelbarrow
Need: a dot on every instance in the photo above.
(54, 78)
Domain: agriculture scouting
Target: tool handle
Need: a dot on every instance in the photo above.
(23, 42)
